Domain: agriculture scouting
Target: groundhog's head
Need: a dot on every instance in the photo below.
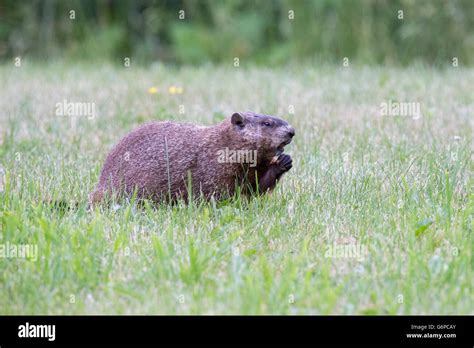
(268, 134)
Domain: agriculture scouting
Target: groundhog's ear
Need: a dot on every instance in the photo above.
(237, 119)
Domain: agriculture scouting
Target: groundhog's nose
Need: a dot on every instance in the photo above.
(291, 132)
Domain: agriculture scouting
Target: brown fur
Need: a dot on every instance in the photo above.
(160, 160)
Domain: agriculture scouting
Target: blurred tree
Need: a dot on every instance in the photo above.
(264, 32)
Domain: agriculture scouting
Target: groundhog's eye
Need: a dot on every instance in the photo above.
(267, 124)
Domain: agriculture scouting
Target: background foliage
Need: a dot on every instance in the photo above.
(367, 31)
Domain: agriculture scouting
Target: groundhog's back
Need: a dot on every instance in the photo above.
(152, 159)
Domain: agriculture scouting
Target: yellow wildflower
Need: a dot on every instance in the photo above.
(152, 90)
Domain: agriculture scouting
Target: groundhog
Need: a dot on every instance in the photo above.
(168, 161)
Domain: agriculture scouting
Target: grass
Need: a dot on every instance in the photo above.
(398, 186)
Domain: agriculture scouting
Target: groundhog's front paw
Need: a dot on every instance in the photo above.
(284, 163)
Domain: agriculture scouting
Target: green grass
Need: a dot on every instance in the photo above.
(400, 187)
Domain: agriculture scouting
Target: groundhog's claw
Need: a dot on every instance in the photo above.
(284, 162)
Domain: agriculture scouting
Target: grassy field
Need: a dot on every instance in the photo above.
(397, 189)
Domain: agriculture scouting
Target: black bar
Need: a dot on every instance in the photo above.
(224, 330)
